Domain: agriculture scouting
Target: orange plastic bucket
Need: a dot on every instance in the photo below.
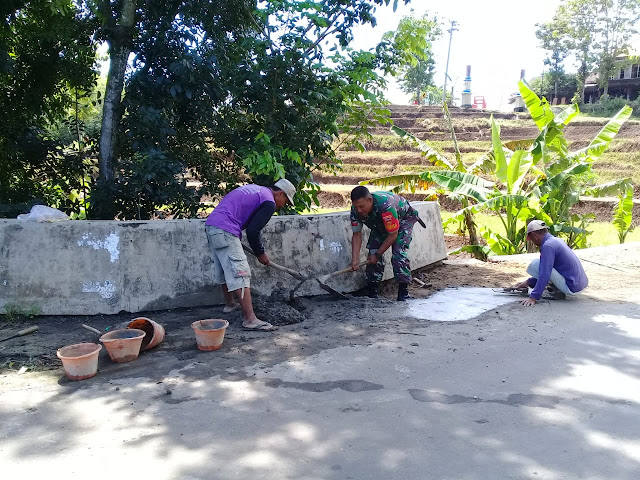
(210, 333)
(80, 361)
(154, 332)
(123, 345)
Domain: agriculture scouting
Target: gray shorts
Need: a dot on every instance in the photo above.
(230, 263)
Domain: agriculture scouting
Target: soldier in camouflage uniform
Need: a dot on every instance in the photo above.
(391, 220)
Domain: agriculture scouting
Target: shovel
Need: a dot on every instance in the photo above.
(322, 280)
(21, 333)
(298, 276)
(291, 272)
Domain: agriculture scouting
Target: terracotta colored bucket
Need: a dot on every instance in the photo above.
(154, 332)
(210, 333)
(80, 361)
(123, 345)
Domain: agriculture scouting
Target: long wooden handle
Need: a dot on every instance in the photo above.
(340, 272)
(27, 331)
(291, 272)
(91, 329)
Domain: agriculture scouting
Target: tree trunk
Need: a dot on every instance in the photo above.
(471, 228)
(119, 40)
(605, 94)
(112, 113)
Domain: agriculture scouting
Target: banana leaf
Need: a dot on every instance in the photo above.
(609, 189)
(456, 182)
(518, 167)
(499, 244)
(406, 182)
(432, 155)
(555, 182)
(498, 153)
(566, 115)
(496, 203)
(623, 214)
(590, 153)
(523, 144)
(479, 251)
(539, 109)
(612, 127)
(487, 164)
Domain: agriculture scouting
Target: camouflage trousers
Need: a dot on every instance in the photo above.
(399, 254)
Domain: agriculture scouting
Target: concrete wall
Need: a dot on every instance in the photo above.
(92, 267)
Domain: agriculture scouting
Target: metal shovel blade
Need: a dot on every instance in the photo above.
(332, 291)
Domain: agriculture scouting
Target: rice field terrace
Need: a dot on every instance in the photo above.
(388, 154)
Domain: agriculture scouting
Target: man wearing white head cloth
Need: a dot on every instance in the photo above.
(558, 266)
(247, 208)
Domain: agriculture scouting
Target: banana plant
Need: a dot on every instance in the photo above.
(623, 209)
(540, 178)
(512, 200)
(452, 176)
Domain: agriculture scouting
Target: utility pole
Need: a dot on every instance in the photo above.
(446, 72)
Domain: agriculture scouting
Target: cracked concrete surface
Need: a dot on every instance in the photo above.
(358, 391)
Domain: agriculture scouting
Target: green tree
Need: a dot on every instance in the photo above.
(617, 23)
(597, 32)
(553, 37)
(581, 17)
(263, 86)
(417, 68)
(46, 61)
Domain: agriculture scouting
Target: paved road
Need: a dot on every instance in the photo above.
(550, 392)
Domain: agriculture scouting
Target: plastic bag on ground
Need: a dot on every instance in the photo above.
(42, 213)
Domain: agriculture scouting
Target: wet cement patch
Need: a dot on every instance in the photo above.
(513, 400)
(457, 304)
(277, 311)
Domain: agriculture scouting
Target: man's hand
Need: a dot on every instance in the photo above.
(522, 285)
(528, 302)
(372, 259)
(354, 264)
(264, 259)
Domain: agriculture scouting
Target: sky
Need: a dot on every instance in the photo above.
(496, 37)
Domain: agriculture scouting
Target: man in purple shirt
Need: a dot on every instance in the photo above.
(246, 208)
(557, 264)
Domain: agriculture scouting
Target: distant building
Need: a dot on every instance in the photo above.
(625, 83)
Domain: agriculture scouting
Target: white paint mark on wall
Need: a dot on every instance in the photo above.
(335, 247)
(108, 290)
(111, 244)
(322, 244)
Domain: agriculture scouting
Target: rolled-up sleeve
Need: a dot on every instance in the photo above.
(356, 224)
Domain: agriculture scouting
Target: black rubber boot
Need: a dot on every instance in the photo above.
(373, 290)
(403, 292)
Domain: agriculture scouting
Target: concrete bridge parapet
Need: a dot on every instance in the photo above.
(104, 267)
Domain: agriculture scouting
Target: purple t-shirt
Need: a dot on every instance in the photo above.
(554, 253)
(236, 208)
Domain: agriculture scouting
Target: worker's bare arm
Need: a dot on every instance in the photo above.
(356, 243)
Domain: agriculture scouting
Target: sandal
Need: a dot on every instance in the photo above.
(263, 327)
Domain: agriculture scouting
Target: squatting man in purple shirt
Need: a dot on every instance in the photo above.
(557, 264)
(246, 208)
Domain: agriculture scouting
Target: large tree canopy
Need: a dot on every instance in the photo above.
(46, 56)
(203, 94)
